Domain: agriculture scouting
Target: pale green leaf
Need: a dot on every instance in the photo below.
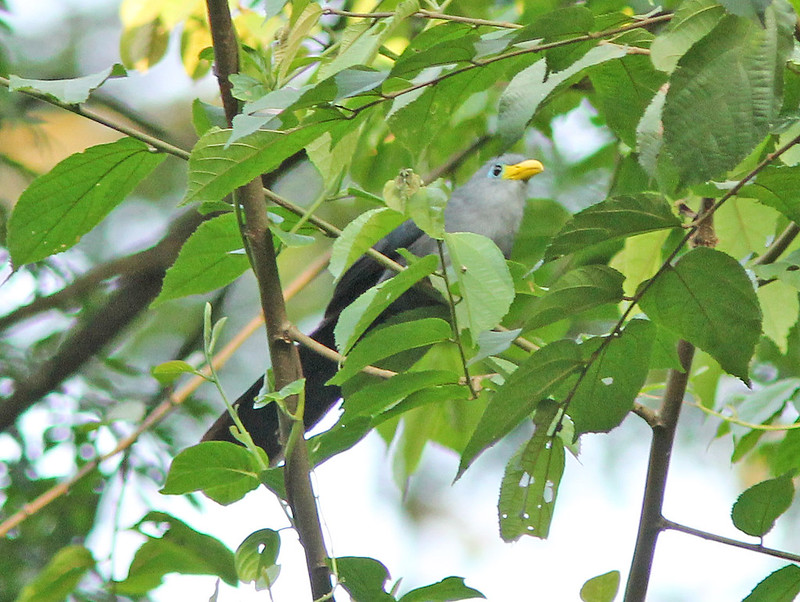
(70, 91)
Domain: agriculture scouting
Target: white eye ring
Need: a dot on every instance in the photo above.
(496, 171)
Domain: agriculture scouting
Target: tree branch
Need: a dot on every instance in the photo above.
(285, 358)
(650, 521)
(753, 547)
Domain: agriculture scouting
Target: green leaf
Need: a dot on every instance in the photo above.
(613, 219)
(426, 208)
(207, 261)
(530, 484)
(650, 135)
(224, 471)
(59, 207)
(602, 588)
(60, 577)
(492, 342)
(779, 303)
(377, 398)
(70, 91)
(639, 259)
(293, 388)
(578, 290)
(744, 226)
(417, 119)
(361, 313)
(782, 585)
(445, 44)
(215, 170)
(385, 342)
(484, 279)
(168, 371)
(624, 88)
(751, 9)
(756, 510)
(777, 187)
(707, 299)
(451, 588)
(607, 392)
(256, 557)
(564, 22)
(726, 93)
(359, 235)
(542, 373)
(180, 550)
(693, 19)
(363, 578)
(530, 87)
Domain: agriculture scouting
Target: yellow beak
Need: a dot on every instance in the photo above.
(523, 170)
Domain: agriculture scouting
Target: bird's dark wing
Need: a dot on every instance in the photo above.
(366, 272)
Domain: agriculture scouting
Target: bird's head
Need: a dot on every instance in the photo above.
(512, 167)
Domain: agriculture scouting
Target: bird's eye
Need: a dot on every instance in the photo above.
(496, 171)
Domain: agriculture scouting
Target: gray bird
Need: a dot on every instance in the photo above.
(491, 203)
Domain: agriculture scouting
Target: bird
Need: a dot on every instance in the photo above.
(490, 203)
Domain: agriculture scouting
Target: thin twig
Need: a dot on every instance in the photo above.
(753, 547)
(451, 305)
(425, 14)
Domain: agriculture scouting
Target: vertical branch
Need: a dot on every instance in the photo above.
(651, 520)
(285, 359)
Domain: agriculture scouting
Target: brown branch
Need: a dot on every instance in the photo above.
(425, 14)
(285, 358)
(650, 521)
(753, 547)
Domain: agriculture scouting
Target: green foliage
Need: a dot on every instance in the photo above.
(59, 207)
(697, 104)
(757, 508)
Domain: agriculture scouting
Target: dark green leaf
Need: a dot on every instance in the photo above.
(530, 484)
(782, 585)
(223, 471)
(207, 261)
(363, 578)
(374, 399)
(362, 312)
(359, 235)
(451, 588)
(602, 588)
(484, 279)
(563, 22)
(693, 19)
(726, 93)
(613, 219)
(756, 510)
(707, 299)
(70, 91)
(60, 577)
(538, 376)
(578, 290)
(216, 170)
(59, 207)
(180, 550)
(384, 342)
(624, 90)
(612, 382)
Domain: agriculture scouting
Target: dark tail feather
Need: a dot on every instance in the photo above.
(262, 424)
